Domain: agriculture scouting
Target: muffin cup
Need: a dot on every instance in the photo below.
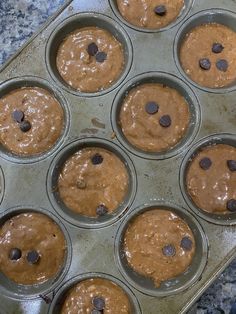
(85, 20)
(2, 184)
(220, 16)
(174, 285)
(76, 218)
(185, 10)
(33, 81)
(59, 298)
(219, 219)
(172, 82)
(19, 291)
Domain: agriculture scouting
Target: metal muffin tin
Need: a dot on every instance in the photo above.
(155, 180)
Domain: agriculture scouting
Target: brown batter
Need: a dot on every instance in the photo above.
(27, 232)
(84, 186)
(81, 70)
(142, 129)
(145, 239)
(43, 112)
(141, 12)
(212, 188)
(80, 298)
(198, 44)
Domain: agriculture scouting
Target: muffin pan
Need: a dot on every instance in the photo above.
(94, 247)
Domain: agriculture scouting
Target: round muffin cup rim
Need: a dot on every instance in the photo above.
(177, 41)
(114, 24)
(161, 204)
(183, 13)
(110, 146)
(207, 141)
(55, 92)
(90, 275)
(59, 277)
(2, 182)
(136, 81)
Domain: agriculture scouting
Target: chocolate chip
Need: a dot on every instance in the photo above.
(205, 64)
(222, 65)
(92, 49)
(81, 184)
(165, 121)
(97, 159)
(169, 250)
(231, 205)
(186, 244)
(33, 257)
(151, 107)
(94, 311)
(18, 116)
(231, 165)
(15, 254)
(101, 56)
(101, 210)
(217, 48)
(98, 303)
(25, 126)
(205, 163)
(160, 10)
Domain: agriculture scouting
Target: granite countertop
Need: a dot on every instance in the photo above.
(19, 19)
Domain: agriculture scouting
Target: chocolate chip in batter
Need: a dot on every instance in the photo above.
(186, 244)
(231, 205)
(205, 163)
(101, 56)
(217, 48)
(222, 65)
(33, 257)
(97, 159)
(94, 311)
(101, 210)
(160, 10)
(205, 64)
(15, 254)
(165, 121)
(231, 165)
(25, 126)
(151, 107)
(18, 116)
(81, 184)
(168, 250)
(98, 303)
(92, 49)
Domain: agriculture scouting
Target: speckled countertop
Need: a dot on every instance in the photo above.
(19, 19)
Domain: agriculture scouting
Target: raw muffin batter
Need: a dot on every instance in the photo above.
(208, 55)
(90, 59)
(154, 117)
(153, 14)
(32, 248)
(93, 182)
(211, 179)
(96, 294)
(158, 244)
(31, 121)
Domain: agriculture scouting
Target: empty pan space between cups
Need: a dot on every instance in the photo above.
(76, 22)
(32, 291)
(35, 82)
(172, 82)
(76, 218)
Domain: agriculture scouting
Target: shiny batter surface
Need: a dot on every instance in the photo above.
(198, 44)
(80, 70)
(142, 129)
(141, 12)
(145, 238)
(27, 232)
(79, 298)
(44, 113)
(102, 184)
(211, 189)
